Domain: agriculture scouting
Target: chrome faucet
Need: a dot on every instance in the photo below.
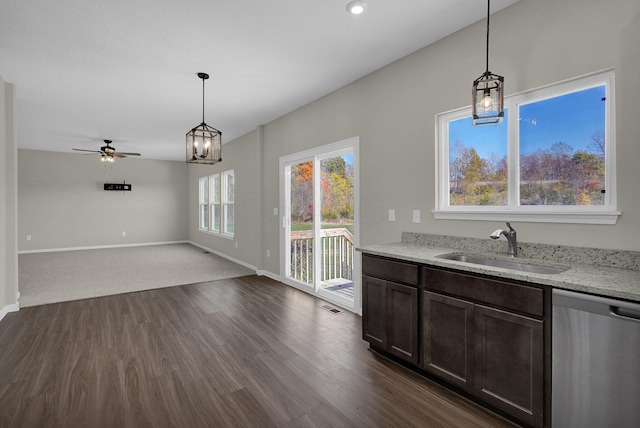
(511, 238)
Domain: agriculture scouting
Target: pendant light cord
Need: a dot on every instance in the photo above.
(203, 79)
(488, 13)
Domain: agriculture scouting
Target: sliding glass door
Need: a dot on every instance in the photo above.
(319, 190)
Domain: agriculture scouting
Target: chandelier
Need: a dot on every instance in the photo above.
(204, 143)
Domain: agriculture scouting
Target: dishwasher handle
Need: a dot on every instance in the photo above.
(620, 309)
(625, 313)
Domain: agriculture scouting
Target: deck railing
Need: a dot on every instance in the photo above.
(337, 254)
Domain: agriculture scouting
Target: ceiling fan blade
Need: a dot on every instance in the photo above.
(83, 150)
(118, 155)
(129, 154)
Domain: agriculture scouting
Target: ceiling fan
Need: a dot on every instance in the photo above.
(109, 153)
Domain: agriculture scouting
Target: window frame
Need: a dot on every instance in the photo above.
(214, 190)
(226, 202)
(217, 186)
(589, 214)
(201, 204)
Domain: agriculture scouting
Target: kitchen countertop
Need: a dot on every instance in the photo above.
(582, 277)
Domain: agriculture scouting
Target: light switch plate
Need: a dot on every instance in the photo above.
(392, 215)
(416, 216)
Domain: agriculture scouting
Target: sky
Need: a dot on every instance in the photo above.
(571, 118)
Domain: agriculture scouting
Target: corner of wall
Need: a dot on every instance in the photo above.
(8, 200)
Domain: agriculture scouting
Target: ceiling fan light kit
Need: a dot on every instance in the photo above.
(487, 101)
(108, 153)
(204, 143)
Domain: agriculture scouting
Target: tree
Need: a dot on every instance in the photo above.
(560, 161)
(335, 165)
(336, 186)
(302, 191)
(598, 144)
(337, 189)
(475, 180)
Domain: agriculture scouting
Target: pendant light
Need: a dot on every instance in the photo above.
(204, 143)
(488, 92)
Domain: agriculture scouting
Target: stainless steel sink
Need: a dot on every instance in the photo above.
(505, 264)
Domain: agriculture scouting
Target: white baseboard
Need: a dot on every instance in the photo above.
(101, 247)
(224, 256)
(9, 308)
(269, 275)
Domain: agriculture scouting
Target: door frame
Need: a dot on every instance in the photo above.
(311, 154)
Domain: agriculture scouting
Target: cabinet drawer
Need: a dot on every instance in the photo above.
(521, 298)
(390, 269)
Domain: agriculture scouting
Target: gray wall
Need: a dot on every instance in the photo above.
(533, 43)
(62, 204)
(243, 157)
(8, 199)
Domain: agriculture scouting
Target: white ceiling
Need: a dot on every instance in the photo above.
(125, 70)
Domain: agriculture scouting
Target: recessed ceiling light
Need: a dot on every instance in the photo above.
(356, 7)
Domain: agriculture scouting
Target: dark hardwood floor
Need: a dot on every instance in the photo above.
(243, 352)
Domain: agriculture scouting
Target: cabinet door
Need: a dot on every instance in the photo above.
(508, 367)
(402, 318)
(447, 344)
(374, 311)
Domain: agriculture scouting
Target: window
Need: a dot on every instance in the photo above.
(551, 159)
(227, 201)
(216, 219)
(216, 203)
(204, 203)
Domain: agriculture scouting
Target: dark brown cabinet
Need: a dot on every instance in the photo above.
(390, 309)
(508, 367)
(487, 337)
(402, 321)
(374, 311)
(447, 332)
(493, 353)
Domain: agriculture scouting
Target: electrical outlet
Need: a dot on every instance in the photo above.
(416, 216)
(392, 215)
(275, 211)
(236, 244)
(268, 253)
(124, 233)
(28, 237)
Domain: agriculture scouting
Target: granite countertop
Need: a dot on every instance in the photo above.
(582, 275)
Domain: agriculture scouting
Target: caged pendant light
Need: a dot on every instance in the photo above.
(204, 143)
(488, 92)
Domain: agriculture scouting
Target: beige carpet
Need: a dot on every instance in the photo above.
(72, 275)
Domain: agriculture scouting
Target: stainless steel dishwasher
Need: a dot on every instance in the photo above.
(596, 362)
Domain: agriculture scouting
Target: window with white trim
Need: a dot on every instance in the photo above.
(552, 159)
(216, 201)
(216, 218)
(227, 202)
(204, 203)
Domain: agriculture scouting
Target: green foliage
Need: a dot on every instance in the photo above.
(477, 181)
(558, 176)
(302, 191)
(336, 185)
(335, 165)
(337, 190)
